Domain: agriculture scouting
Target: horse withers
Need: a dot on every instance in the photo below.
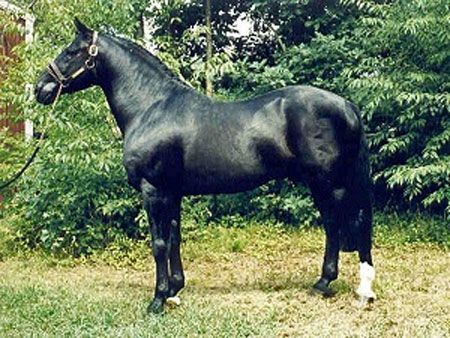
(178, 142)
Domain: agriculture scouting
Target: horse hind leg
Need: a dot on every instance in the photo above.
(364, 244)
(347, 218)
(329, 209)
(356, 230)
(348, 231)
(330, 263)
(360, 201)
(354, 221)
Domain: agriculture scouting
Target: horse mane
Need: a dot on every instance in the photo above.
(148, 57)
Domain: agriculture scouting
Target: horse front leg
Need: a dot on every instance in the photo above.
(162, 209)
(176, 279)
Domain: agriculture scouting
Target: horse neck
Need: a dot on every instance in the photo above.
(131, 83)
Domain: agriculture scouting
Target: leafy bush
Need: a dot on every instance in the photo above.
(74, 197)
(277, 201)
(401, 82)
(389, 57)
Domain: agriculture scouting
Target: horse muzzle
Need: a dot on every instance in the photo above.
(46, 91)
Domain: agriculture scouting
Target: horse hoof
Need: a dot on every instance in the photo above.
(365, 301)
(156, 306)
(322, 290)
(173, 301)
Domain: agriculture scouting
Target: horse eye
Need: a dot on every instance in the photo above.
(72, 52)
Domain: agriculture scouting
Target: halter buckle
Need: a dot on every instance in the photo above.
(93, 50)
(90, 63)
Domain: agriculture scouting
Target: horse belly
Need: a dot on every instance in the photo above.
(231, 172)
(218, 173)
(201, 184)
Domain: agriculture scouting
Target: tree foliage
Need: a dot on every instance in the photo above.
(389, 57)
(74, 196)
(402, 84)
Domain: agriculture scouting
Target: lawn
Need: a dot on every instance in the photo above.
(241, 282)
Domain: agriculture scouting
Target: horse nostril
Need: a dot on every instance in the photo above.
(37, 89)
(44, 91)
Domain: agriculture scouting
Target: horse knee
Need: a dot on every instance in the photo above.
(339, 194)
(159, 247)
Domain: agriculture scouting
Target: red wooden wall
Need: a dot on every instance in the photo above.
(7, 43)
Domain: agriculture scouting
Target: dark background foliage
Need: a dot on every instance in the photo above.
(389, 57)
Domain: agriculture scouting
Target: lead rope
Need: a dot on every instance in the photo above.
(47, 125)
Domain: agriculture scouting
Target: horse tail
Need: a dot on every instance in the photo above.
(359, 199)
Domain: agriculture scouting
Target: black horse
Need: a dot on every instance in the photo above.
(179, 142)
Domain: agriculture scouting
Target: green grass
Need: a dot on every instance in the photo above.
(248, 282)
(82, 302)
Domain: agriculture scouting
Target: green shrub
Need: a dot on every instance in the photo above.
(277, 201)
(12, 157)
(74, 198)
(401, 82)
(391, 58)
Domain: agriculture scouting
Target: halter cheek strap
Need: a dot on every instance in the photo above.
(89, 64)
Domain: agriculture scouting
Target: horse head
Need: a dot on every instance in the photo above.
(73, 69)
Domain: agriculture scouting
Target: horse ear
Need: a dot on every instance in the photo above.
(81, 27)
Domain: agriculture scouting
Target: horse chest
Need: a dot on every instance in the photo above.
(157, 159)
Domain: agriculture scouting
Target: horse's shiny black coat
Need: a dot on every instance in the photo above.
(179, 142)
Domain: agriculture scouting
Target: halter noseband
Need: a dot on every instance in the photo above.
(89, 64)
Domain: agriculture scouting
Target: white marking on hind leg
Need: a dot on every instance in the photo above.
(173, 301)
(367, 275)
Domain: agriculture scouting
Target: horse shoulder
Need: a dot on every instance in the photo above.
(154, 153)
